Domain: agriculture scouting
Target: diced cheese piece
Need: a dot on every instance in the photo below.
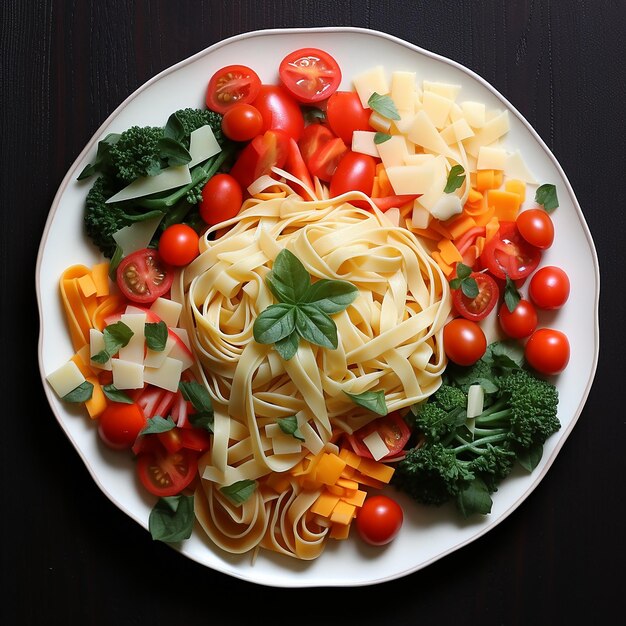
(438, 181)
(515, 167)
(457, 132)
(100, 276)
(447, 206)
(371, 81)
(86, 285)
(493, 130)
(405, 122)
(420, 216)
(135, 348)
(167, 310)
(423, 133)
(167, 376)
(393, 152)
(403, 90)
(446, 90)
(169, 178)
(343, 513)
(379, 122)
(363, 142)
(96, 345)
(156, 358)
(475, 400)
(437, 108)
(283, 443)
(65, 378)
(411, 179)
(137, 235)
(202, 145)
(491, 158)
(376, 470)
(474, 113)
(127, 374)
(376, 445)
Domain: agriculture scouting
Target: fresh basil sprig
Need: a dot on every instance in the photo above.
(547, 197)
(82, 393)
(455, 179)
(172, 518)
(464, 280)
(303, 309)
(511, 295)
(156, 334)
(372, 400)
(200, 400)
(116, 336)
(383, 105)
(240, 490)
(289, 425)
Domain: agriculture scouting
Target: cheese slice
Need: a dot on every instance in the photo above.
(515, 167)
(167, 310)
(437, 108)
(491, 158)
(202, 145)
(424, 133)
(137, 235)
(474, 113)
(169, 178)
(65, 378)
(135, 348)
(127, 374)
(403, 90)
(371, 81)
(166, 376)
(156, 358)
(495, 128)
(363, 142)
(445, 90)
(96, 345)
(411, 179)
(393, 152)
(376, 445)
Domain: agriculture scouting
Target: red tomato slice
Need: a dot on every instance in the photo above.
(324, 162)
(310, 74)
(507, 253)
(279, 110)
(259, 156)
(143, 276)
(230, 85)
(393, 430)
(345, 114)
(166, 474)
(482, 304)
(295, 165)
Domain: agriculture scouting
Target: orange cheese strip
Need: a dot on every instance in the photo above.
(98, 401)
(325, 504)
(449, 252)
(516, 186)
(458, 226)
(339, 531)
(445, 268)
(87, 286)
(377, 471)
(343, 513)
(329, 468)
(505, 203)
(100, 276)
(357, 499)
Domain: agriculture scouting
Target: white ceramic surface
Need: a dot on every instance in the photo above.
(428, 534)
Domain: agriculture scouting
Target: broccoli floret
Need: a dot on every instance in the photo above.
(191, 119)
(137, 153)
(441, 414)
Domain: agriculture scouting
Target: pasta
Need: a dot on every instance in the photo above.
(389, 339)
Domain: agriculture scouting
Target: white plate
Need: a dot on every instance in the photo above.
(428, 534)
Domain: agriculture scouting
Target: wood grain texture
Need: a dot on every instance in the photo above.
(67, 554)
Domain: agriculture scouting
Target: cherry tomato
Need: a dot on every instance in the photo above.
(536, 227)
(178, 244)
(478, 307)
(547, 350)
(242, 122)
(508, 254)
(464, 341)
(310, 74)
(345, 114)
(143, 276)
(259, 156)
(355, 172)
(549, 287)
(165, 473)
(120, 424)
(393, 430)
(321, 150)
(231, 85)
(520, 322)
(222, 197)
(279, 110)
(379, 520)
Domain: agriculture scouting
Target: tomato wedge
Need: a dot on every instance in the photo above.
(393, 430)
(166, 474)
(507, 253)
(143, 276)
(310, 74)
(478, 307)
(232, 84)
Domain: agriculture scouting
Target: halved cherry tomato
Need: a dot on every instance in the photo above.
(259, 156)
(195, 439)
(143, 276)
(520, 322)
(231, 85)
(310, 74)
(507, 253)
(324, 162)
(355, 172)
(120, 424)
(178, 244)
(279, 110)
(379, 520)
(167, 474)
(313, 137)
(464, 341)
(222, 197)
(345, 114)
(536, 227)
(242, 122)
(549, 287)
(478, 307)
(547, 350)
(393, 430)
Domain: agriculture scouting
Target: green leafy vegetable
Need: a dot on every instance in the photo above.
(200, 399)
(383, 105)
(82, 393)
(239, 491)
(546, 195)
(158, 424)
(372, 400)
(156, 334)
(455, 179)
(289, 425)
(381, 137)
(115, 395)
(511, 295)
(172, 518)
(464, 280)
(116, 336)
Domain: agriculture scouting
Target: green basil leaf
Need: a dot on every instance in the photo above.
(331, 296)
(462, 270)
(316, 327)
(173, 152)
(292, 276)
(546, 195)
(174, 128)
(511, 295)
(197, 394)
(469, 287)
(383, 105)
(82, 393)
(116, 336)
(456, 176)
(158, 424)
(289, 425)
(115, 395)
(239, 491)
(372, 400)
(288, 346)
(156, 335)
(475, 498)
(381, 137)
(275, 323)
(172, 519)
(530, 458)
(103, 157)
(101, 357)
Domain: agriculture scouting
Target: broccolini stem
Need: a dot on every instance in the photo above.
(475, 446)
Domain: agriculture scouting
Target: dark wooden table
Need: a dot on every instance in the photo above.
(68, 556)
